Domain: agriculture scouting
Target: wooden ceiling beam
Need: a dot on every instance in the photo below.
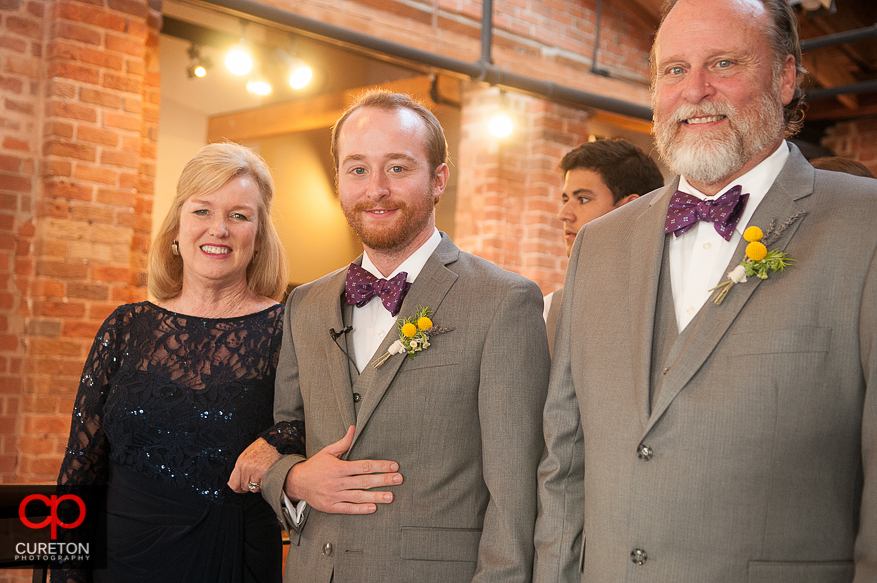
(313, 113)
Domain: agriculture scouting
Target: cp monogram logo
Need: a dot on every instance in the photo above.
(52, 504)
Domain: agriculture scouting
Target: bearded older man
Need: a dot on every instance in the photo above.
(719, 435)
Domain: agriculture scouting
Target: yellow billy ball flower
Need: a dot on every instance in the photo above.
(756, 251)
(753, 233)
(409, 330)
(424, 323)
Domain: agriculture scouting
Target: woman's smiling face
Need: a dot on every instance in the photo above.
(218, 231)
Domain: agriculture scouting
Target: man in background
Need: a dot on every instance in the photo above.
(597, 178)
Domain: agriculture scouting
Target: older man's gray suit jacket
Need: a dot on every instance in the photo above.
(757, 460)
(463, 419)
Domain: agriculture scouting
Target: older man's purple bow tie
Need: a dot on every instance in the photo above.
(724, 212)
(362, 286)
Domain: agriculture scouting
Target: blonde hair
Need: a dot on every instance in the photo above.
(207, 171)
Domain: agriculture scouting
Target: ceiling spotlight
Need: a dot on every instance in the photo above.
(300, 75)
(258, 86)
(238, 60)
(198, 65)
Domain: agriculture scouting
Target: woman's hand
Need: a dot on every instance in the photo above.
(251, 466)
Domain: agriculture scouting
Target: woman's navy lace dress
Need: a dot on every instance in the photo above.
(166, 404)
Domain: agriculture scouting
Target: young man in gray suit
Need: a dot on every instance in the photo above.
(719, 435)
(598, 177)
(421, 462)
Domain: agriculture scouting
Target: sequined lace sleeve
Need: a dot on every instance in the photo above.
(86, 458)
(288, 437)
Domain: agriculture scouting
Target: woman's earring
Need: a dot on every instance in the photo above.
(175, 248)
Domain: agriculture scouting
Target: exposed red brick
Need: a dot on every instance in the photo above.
(55, 346)
(131, 7)
(122, 122)
(28, 27)
(58, 129)
(71, 111)
(11, 84)
(107, 273)
(14, 183)
(74, 31)
(70, 150)
(61, 271)
(102, 98)
(120, 158)
(94, 15)
(96, 174)
(73, 70)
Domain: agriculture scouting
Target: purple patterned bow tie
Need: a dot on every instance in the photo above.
(724, 212)
(362, 286)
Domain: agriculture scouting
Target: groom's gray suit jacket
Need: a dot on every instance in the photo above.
(462, 419)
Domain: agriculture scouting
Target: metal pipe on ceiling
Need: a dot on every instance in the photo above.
(481, 70)
(862, 87)
(847, 36)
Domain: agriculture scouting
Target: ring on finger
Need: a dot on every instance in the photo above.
(253, 486)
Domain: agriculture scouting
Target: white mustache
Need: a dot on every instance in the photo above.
(686, 112)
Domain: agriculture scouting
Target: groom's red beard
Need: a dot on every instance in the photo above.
(709, 158)
(410, 221)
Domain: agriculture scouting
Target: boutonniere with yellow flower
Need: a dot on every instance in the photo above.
(759, 262)
(414, 333)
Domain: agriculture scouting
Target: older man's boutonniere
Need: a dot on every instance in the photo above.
(759, 261)
(414, 335)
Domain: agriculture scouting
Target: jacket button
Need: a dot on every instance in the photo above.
(638, 556)
(644, 452)
(357, 397)
(327, 549)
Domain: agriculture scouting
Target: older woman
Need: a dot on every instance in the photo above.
(173, 391)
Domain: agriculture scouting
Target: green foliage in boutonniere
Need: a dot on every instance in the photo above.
(414, 333)
(759, 262)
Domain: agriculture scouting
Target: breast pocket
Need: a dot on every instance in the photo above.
(791, 340)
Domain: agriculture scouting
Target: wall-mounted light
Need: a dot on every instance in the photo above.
(198, 64)
(501, 124)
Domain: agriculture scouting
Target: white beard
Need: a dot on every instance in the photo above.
(720, 154)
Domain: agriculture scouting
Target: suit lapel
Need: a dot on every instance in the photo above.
(429, 289)
(795, 181)
(335, 359)
(646, 251)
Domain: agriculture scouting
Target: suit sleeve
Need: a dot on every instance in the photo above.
(561, 492)
(866, 540)
(287, 407)
(511, 394)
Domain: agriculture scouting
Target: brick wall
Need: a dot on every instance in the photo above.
(21, 48)
(80, 90)
(79, 102)
(856, 140)
(509, 188)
